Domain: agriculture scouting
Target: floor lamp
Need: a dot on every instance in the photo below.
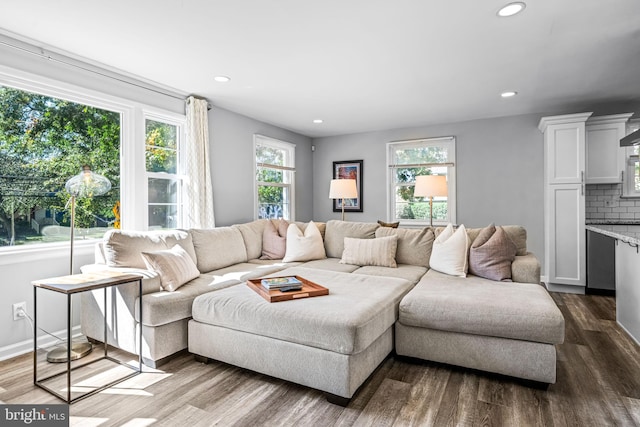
(431, 186)
(85, 184)
(343, 189)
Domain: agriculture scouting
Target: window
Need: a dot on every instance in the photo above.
(164, 197)
(408, 159)
(631, 184)
(49, 129)
(44, 141)
(275, 178)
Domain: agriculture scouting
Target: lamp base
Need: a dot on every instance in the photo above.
(78, 350)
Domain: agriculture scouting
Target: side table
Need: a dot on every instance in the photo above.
(74, 284)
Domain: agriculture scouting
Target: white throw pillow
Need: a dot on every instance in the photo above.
(380, 251)
(174, 266)
(449, 254)
(304, 247)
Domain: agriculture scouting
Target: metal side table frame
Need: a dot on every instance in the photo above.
(70, 285)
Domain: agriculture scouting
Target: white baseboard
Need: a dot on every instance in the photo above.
(567, 289)
(23, 347)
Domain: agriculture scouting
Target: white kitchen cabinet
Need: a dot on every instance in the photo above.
(628, 288)
(564, 198)
(605, 158)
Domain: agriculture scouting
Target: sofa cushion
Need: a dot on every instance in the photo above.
(338, 230)
(303, 247)
(252, 236)
(218, 247)
(491, 254)
(332, 264)
(449, 253)
(124, 248)
(174, 266)
(357, 311)
(274, 239)
(414, 245)
(479, 306)
(412, 273)
(380, 252)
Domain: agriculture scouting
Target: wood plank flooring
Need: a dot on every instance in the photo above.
(598, 385)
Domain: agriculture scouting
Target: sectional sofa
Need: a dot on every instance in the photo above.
(383, 295)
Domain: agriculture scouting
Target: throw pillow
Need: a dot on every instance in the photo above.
(304, 247)
(379, 252)
(174, 266)
(414, 245)
(491, 254)
(274, 239)
(449, 253)
(389, 224)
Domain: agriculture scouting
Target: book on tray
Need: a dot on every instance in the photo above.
(280, 282)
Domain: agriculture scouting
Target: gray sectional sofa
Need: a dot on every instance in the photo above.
(333, 342)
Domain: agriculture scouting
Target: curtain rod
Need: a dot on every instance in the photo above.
(43, 55)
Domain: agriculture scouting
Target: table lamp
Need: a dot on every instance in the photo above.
(431, 186)
(343, 189)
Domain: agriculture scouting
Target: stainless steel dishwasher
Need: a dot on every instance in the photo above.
(601, 264)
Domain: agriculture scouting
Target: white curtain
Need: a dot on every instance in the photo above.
(199, 191)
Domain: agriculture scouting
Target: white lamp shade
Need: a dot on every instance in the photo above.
(431, 186)
(343, 189)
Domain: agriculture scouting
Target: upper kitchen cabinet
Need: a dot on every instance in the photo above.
(564, 148)
(605, 158)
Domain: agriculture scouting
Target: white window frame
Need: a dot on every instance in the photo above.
(179, 122)
(631, 155)
(133, 184)
(450, 143)
(290, 165)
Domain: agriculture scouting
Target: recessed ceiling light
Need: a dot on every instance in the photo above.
(511, 9)
(222, 79)
(508, 94)
(318, 121)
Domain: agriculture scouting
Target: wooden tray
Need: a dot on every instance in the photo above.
(309, 289)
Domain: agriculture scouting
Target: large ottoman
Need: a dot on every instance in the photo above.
(331, 343)
(508, 328)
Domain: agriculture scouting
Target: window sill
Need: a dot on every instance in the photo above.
(28, 253)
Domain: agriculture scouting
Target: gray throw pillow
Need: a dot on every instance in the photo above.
(491, 254)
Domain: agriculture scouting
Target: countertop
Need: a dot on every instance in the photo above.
(628, 233)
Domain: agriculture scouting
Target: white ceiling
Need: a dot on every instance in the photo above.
(359, 65)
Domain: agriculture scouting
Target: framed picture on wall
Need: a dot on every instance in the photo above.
(349, 169)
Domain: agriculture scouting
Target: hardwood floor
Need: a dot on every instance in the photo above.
(598, 385)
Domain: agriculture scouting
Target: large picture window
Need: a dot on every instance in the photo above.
(275, 178)
(49, 130)
(408, 159)
(44, 141)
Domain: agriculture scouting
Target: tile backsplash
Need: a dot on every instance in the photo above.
(603, 202)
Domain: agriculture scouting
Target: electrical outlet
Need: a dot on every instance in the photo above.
(20, 310)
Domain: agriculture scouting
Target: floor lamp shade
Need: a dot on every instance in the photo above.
(343, 189)
(87, 184)
(431, 186)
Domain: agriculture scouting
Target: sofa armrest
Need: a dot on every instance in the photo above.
(526, 269)
(150, 279)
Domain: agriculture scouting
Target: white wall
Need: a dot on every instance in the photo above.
(232, 159)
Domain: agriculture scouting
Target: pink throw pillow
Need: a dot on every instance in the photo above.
(491, 254)
(274, 239)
